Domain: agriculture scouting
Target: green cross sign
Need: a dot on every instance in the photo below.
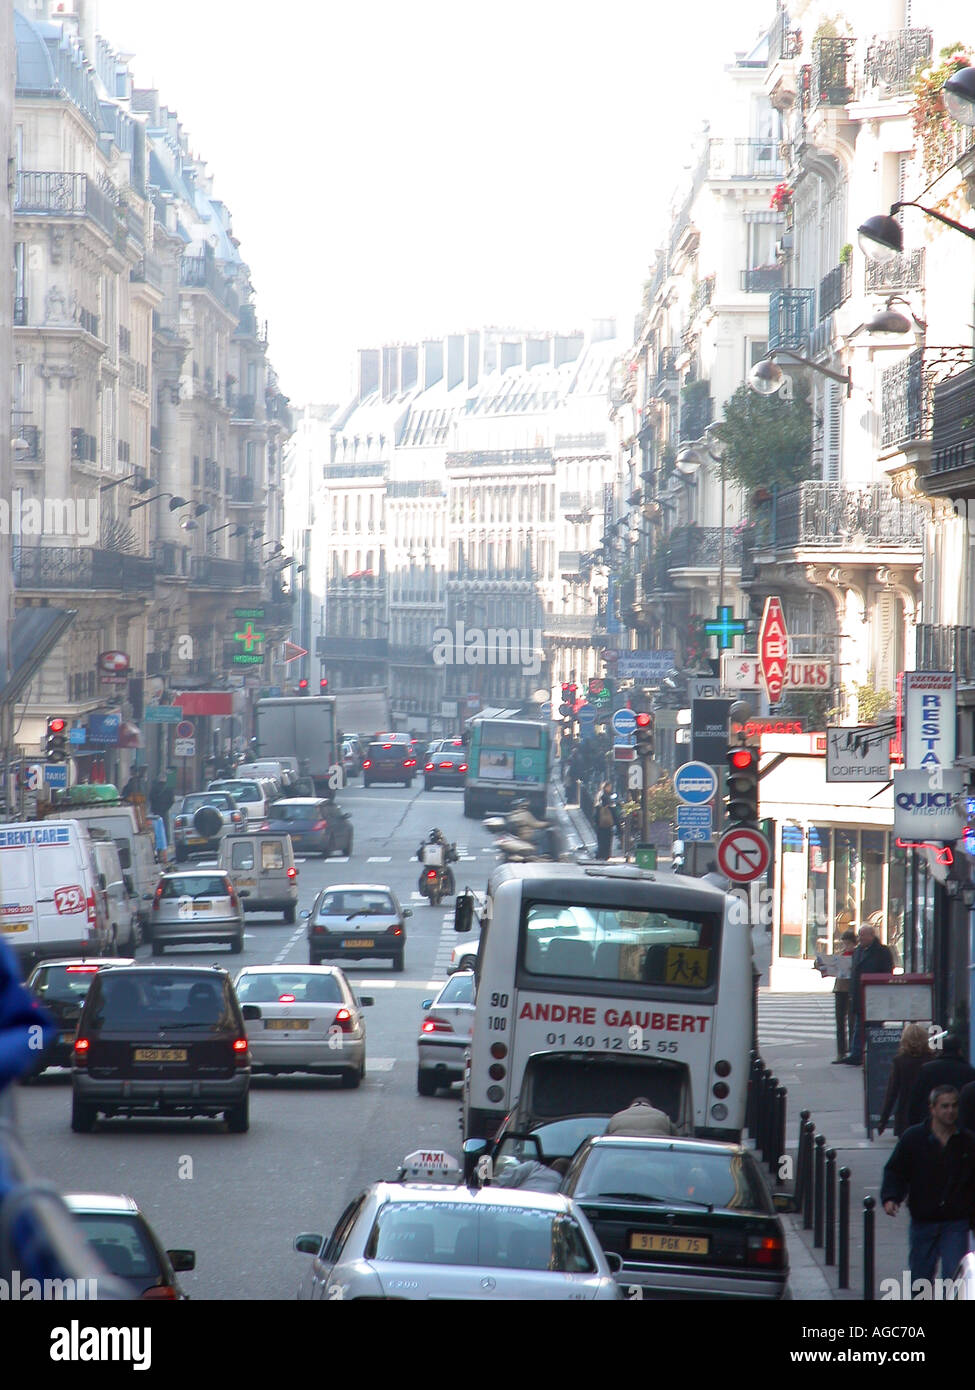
(249, 637)
(725, 627)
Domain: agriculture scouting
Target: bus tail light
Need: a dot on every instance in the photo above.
(497, 1072)
(767, 1251)
(499, 1050)
(723, 1068)
(720, 1090)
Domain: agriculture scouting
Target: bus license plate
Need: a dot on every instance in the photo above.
(282, 1023)
(8, 928)
(160, 1054)
(670, 1245)
(359, 941)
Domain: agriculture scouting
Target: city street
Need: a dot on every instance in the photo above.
(239, 1200)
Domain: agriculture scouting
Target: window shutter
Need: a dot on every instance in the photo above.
(886, 644)
(832, 433)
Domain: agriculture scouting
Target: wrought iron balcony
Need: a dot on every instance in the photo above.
(907, 392)
(500, 458)
(745, 159)
(783, 43)
(904, 272)
(761, 279)
(893, 61)
(696, 412)
(214, 572)
(835, 288)
(953, 425)
(946, 649)
(27, 444)
(204, 273)
(244, 407)
(833, 68)
(81, 567)
(147, 271)
(838, 516)
(354, 470)
(63, 195)
(241, 492)
(790, 314)
(699, 547)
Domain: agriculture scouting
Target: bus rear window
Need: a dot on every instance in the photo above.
(619, 945)
(501, 735)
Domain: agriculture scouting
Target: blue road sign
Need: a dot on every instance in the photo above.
(56, 774)
(77, 735)
(694, 823)
(624, 722)
(547, 709)
(695, 783)
(587, 716)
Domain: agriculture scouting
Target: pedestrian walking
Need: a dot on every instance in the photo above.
(933, 1168)
(946, 1068)
(607, 821)
(841, 994)
(871, 957)
(911, 1056)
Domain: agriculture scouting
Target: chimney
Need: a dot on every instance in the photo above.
(432, 362)
(368, 371)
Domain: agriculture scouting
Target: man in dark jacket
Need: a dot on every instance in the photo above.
(966, 1107)
(933, 1166)
(947, 1068)
(871, 957)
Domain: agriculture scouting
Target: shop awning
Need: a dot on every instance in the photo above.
(202, 702)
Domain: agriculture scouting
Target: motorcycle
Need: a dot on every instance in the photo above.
(522, 839)
(436, 879)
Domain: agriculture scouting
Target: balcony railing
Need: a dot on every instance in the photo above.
(699, 547)
(946, 649)
(835, 288)
(832, 72)
(147, 271)
(81, 567)
(953, 425)
(63, 195)
(244, 407)
(790, 314)
(907, 392)
(783, 42)
(904, 272)
(84, 447)
(241, 492)
(893, 61)
(570, 624)
(761, 279)
(214, 572)
(838, 516)
(655, 576)
(203, 273)
(701, 295)
(354, 470)
(500, 458)
(745, 159)
(27, 444)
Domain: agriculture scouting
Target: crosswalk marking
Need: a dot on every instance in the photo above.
(379, 859)
(794, 1019)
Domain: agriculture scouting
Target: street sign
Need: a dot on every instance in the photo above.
(694, 822)
(162, 714)
(742, 671)
(857, 754)
(185, 748)
(695, 783)
(77, 735)
(703, 688)
(56, 775)
(185, 729)
(743, 854)
(624, 722)
(291, 652)
(587, 721)
(546, 710)
(624, 753)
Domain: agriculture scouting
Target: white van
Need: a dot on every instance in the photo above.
(262, 869)
(49, 891)
(136, 848)
(120, 903)
(284, 771)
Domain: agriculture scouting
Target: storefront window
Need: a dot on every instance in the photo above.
(817, 891)
(897, 891)
(847, 875)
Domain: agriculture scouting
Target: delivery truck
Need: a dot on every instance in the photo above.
(303, 727)
(363, 711)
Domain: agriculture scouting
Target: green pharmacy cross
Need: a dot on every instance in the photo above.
(249, 637)
(725, 627)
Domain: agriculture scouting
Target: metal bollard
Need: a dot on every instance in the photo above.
(819, 1184)
(831, 1206)
(843, 1281)
(751, 1103)
(807, 1198)
(781, 1098)
(802, 1160)
(869, 1218)
(768, 1116)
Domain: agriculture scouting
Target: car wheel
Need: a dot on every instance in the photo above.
(83, 1116)
(290, 913)
(350, 1080)
(426, 1083)
(238, 1117)
(237, 944)
(398, 962)
(157, 948)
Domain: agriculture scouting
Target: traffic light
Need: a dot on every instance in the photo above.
(323, 686)
(644, 735)
(303, 686)
(741, 796)
(56, 743)
(567, 708)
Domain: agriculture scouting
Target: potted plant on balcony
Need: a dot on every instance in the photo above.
(768, 441)
(933, 127)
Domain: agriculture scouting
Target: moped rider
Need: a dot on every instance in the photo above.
(436, 852)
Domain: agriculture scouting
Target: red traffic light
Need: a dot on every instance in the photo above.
(643, 721)
(55, 726)
(302, 684)
(323, 684)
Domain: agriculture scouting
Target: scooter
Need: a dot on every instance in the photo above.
(436, 882)
(522, 839)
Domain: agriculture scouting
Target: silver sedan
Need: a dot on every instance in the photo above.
(423, 1240)
(307, 1018)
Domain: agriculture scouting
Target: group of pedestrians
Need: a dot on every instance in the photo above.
(868, 956)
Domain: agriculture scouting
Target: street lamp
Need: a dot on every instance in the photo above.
(888, 320)
(767, 377)
(959, 96)
(174, 502)
(882, 238)
(142, 483)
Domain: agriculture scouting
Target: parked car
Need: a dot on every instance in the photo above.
(688, 1218)
(62, 987)
(160, 1040)
(315, 826)
(446, 768)
(201, 820)
(389, 762)
(307, 1018)
(356, 921)
(121, 1237)
(351, 758)
(445, 1034)
(196, 905)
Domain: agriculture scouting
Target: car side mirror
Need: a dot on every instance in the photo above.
(407, 912)
(308, 1244)
(464, 912)
(473, 1150)
(366, 1001)
(243, 893)
(305, 912)
(250, 1012)
(614, 1261)
(182, 1260)
(425, 1003)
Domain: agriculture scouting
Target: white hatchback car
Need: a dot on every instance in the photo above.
(305, 1018)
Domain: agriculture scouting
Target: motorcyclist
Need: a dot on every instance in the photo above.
(443, 860)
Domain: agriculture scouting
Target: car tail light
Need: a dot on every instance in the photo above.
(286, 999)
(765, 1250)
(180, 821)
(82, 970)
(241, 1055)
(410, 762)
(292, 872)
(320, 825)
(237, 818)
(387, 745)
(462, 768)
(344, 1021)
(265, 826)
(81, 1046)
(434, 1024)
(234, 900)
(159, 1291)
(396, 931)
(367, 762)
(157, 897)
(428, 768)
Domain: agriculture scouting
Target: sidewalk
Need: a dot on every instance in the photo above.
(833, 1095)
(579, 833)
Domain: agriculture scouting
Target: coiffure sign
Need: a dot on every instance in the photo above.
(929, 714)
(929, 805)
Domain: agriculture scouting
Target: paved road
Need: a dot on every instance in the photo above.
(239, 1200)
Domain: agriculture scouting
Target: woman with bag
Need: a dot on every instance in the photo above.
(607, 821)
(910, 1058)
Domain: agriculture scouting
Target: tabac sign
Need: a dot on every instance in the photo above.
(773, 649)
(929, 713)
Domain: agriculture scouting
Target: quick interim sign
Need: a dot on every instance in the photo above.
(929, 714)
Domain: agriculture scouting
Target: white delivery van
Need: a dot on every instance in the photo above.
(49, 891)
(120, 903)
(262, 869)
(136, 848)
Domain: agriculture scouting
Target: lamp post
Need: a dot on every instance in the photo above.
(767, 377)
(882, 238)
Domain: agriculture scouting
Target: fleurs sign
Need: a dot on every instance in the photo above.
(773, 649)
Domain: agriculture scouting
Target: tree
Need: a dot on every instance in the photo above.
(768, 441)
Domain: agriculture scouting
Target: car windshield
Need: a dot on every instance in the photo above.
(120, 1242)
(463, 1233)
(243, 791)
(389, 750)
(261, 987)
(194, 886)
(661, 1173)
(64, 984)
(458, 990)
(353, 901)
(220, 799)
(280, 811)
(161, 999)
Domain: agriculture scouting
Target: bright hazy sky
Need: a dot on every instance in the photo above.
(404, 168)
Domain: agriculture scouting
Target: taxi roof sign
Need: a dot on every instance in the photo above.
(430, 1165)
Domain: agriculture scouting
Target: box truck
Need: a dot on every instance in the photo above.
(302, 727)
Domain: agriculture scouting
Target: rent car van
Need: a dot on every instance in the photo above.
(49, 891)
(136, 847)
(261, 867)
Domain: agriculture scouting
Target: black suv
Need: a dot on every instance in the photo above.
(160, 1040)
(389, 762)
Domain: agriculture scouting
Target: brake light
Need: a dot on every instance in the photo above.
(181, 820)
(462, 768)
(410, 762)
(241, 1055)
(292, 872)
(765, 1250)
(81, 1046)
(320, 825)
(433, 1024)
(396, 931)
(387, 745)
(345, 1021)
(431, 873)
(156, 897)
(234, 901)
(237, 818)
(428, 768)
(159, 1291)
(286, 999)
(367, 762)
(82, 970)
